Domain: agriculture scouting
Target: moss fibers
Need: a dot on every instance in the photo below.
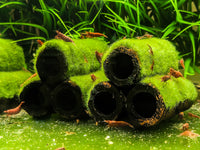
(153, 100)
(141, 57)
(10, 83)
(11, 56)
(60, 59)
(70, 98)
(86, 83)
(100, 98)
(173, 91)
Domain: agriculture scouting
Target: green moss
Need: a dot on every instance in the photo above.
(101, 99)
(80, 55)
(164, 54)
(10, 83)
(86, 84)
(152, 100)
(173, 91)
(11, 56)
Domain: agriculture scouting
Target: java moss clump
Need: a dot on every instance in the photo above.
(129, 60)
(10, 82)
(57, 60)
(153, 100)
(9, 87)
(11, 56)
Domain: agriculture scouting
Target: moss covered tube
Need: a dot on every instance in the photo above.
(129, 60)
(11, 56)
(69, 98)
(90, 93)
(36, 96)
(105, 102)
(57, 60)
(101, 99)
(153, 100)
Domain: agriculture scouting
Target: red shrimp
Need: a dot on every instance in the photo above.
(15, 110)
(112, 123)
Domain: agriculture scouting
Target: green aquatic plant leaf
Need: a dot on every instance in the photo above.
(46, 16)
(188, 69)
(30, 38)
(12, 28)
(197, 69)
(175, 5)
(59, 18)
(193, 47)
(46, 11)
(113, 28)
(115, 15)
(130, 14)
(157, 12)
(191, 70)
(145, 28)
(24, 32)
(63, 5)
(187, 28)
(95, 17)
(82, 26)
(189, 13)
(11, 3)
(186, 54)
(138, 13)
(27, 24)
(169, 29)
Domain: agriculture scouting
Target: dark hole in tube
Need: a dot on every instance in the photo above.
(121, 65)
(51, 62)
(32, 95)
(66, 99)
(144, 104)
(105, 103)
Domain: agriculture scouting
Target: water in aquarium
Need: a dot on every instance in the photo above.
(99, 74)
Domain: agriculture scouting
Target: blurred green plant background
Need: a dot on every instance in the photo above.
(25, 21)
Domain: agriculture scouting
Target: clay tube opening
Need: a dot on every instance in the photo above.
(67, 100)
(51, 65)
(122, 66)
(104, 103)
(35, 104)
(144, 104)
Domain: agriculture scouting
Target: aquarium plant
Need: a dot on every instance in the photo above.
(177, 21)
